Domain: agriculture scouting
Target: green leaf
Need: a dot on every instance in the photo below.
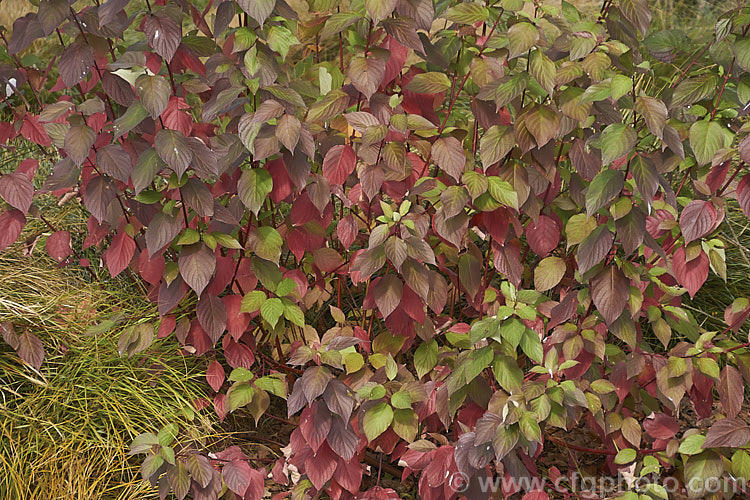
(148, 165)
(532, 346)
(512, 330)
(692, 90)
(377, 419)
(401, 399)
(602, 386)
(241, 374)
(495, 144)
(405, 424)
(253, 187)
(521, 37)
(616, 141)
(741, 464)
(134, 115)
(707, 366)
(466, 13)
(244, 38)
(293, 313)
(507, 373)
(543, 70)
(380, 9)
(692, 445)
(625, 456)
(239, 395)
(505, 89)
(620, 86)
(280, 39)
(604, 188)
(548, 273)
(503, 192)
(338, 22)
(742, 52)
(429, 83)
(578, 228)
(701, 471)
(252, 301)
(266, 242)
(530, 427)
(706, 138)
(425, 357)
(272, 310)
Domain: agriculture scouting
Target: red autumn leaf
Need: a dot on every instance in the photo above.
(610, 291)
(34, 131)
(236, 476)
(690, 275)
(215, 375)
(16, 188)
(282, 184)
(346, 230)
(536, 495)
(544, 236)
(320, 466)
(119, 253)
(339, 164)
(697, 220)
(661, 426)
(175, 118)
(11, 224)
(743, 193)
(237, 321)
(58, 245)
(315, 423)
(731, 391)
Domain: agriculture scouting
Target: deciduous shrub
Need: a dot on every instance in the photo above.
(436, 230)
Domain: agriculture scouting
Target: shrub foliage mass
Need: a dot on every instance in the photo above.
(434, 232)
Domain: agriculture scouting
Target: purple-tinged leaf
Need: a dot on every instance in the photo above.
(30, 350)
(113, 160)
(51, 14)
(449, 156)
(212, 316)
(697, 220)
(197, 264)
(236, 476)
(728, 432)
(161, 231)
(163, 35)
(610, 291)
(731, 391)
(16, 188)
(388, 293)
(78, 142)
(154, 92)
(174, 150)
(75, 62)
(99, 193)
